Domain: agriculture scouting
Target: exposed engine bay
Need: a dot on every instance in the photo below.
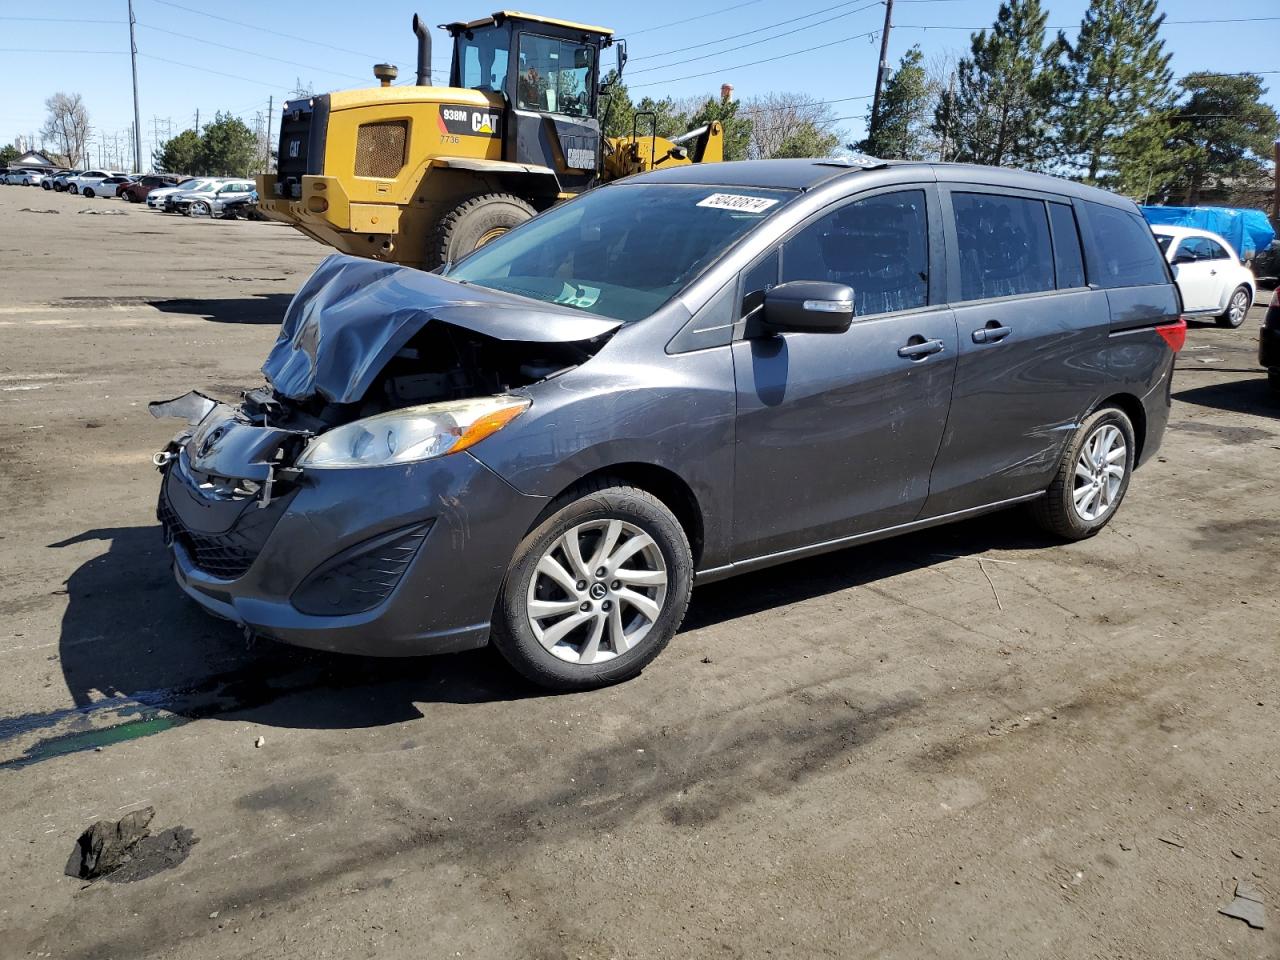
(362, 339)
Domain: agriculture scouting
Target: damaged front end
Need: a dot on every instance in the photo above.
(316, 492)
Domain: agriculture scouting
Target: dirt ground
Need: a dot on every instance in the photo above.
(895, 751)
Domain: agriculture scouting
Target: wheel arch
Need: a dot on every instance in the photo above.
(1136, 413)
(665, 484)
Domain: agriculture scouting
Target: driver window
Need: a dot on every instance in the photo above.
(484, 61)
(878, 246)
(554, 76)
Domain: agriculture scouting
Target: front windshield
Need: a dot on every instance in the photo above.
(620, 251)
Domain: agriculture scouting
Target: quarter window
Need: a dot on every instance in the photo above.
(1123, 251)
(878, 246)
(1004, 246)
(757, 281)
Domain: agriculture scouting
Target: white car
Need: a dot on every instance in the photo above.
(156, 198)
(25, 178)
(1212, 280)
(89, 183)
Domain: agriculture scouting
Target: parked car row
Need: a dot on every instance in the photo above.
(225, 197)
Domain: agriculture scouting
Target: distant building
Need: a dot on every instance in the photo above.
(33, 160)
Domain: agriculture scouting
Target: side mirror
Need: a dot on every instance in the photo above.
(809, 306)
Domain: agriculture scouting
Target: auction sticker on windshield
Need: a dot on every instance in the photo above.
(738, 202)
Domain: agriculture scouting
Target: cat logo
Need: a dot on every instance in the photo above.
(469, 121)
(295, 146)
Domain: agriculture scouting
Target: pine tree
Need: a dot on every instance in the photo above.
(998, 114)
(1224, 132)
(1115, 107)
(901, 132)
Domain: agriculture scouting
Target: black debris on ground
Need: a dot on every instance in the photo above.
(125, 851)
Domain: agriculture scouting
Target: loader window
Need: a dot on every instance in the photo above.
(554, 76)
(484, 60)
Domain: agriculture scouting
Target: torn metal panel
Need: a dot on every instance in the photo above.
(353, 315)
(192, 407)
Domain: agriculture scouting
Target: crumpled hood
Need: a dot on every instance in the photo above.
(353, 315)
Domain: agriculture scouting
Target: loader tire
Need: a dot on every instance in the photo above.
(473, 223)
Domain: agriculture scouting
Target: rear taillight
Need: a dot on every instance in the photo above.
(1175, 334)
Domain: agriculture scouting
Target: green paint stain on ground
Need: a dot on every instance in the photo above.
(63, 744)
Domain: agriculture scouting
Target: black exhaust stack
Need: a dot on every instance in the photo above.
(424, 51)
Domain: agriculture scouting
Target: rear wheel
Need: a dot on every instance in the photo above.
(1237, 308)
(88, 192)
(1092, 477)
(596, 591)
(473, 223)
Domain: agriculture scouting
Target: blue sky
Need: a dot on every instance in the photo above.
(189, 60)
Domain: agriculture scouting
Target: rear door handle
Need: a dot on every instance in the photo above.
(918, 348)
(991, 334)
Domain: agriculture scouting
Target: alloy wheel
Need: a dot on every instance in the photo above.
(1099, 472)
(597, 591)
(1238, 308)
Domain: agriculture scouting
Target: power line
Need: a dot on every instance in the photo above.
(753, 43)
(261, 29)
(753, 63)
(59, 20)
(934, 26)
(768, 26)
(116, 53)
(249, 53)
(676, 23)
(192, 66)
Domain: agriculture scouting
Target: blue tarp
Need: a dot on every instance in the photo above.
(1248, 231)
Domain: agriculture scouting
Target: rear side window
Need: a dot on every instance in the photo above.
(1068, 260)
(1004, 245)
(1123, 251)
(1216, 251)
(878, 246)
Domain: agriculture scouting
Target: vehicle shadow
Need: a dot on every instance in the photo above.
(1249, 395)
(256, 308)
(829, 573)
(138, 655)
(130, 634)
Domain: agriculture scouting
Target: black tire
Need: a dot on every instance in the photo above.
(1273, 380)
(1225, 319)
(73, 189)
(1056, 511)
(88, 192)
(604, 499)
(472, 224)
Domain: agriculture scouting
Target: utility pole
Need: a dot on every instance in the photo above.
(137, 117)
(271, 106)
(197, 121)
(882, 69)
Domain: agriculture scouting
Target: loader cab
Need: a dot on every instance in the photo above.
(548, 74)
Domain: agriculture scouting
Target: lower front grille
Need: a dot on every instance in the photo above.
(360, 578)
(227, 555)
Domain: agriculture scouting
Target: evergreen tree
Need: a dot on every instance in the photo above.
(737, 130)
(180, 154)
(1115, 104)
(807, 140)
(228, 147)
(1224, 131)
(902, 131)
(998, 114)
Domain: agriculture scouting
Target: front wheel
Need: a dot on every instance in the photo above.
(473, 223)
(1237, 308)
(1092, 477)
(73, 189)
(88, 192)
(596, 591)
(198, 208)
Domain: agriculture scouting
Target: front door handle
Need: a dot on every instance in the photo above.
(918, 348)
(991, 334)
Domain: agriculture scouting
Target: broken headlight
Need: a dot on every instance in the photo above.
(412, 433)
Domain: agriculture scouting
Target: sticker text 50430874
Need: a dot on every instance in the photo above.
(738, 202)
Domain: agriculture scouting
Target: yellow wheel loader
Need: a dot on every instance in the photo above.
(422, 175)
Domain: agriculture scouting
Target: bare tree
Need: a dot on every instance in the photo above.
(781, 119)
(67, 126)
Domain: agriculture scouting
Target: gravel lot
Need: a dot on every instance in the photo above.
(896, 751)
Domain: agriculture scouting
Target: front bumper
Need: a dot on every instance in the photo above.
(444, 591)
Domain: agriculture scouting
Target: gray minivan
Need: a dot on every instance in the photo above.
(669, 380)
